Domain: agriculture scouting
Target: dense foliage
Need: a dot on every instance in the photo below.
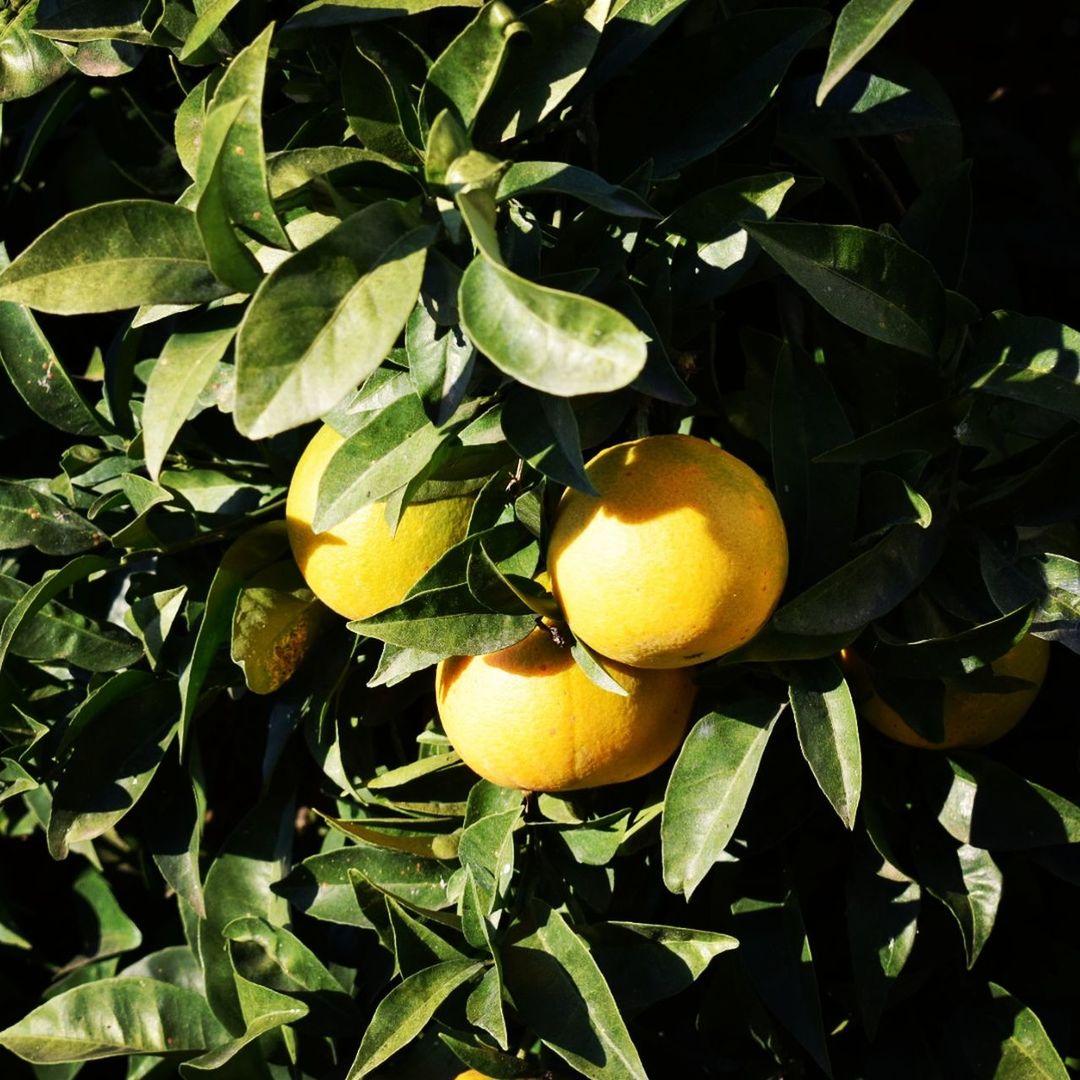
(481, 242)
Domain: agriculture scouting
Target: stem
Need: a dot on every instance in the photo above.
(223, 531)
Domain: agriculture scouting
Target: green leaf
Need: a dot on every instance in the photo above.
(321, 13)
(859, 27)
(708, 789)
(525, 178)
(114, 1017)
(326, 318)
(966, 880)
(28, 62)
(243, 178)
(33, 518)
(320, 885)
(560, 992)
(866, 588)
(465, 72)
(37, 374)
(441, 363)
(404, 1012)
(867, 280)
(275, 622)
(211, 16)
(1027, 359)
(547, 63)
(829, 734)
(446, 622)
(882, 915)
(562, 343)
(389, 450)
(1004, 1040)
(231, 262)
(106, 929)
(775, 951)
(187, 364)
(111, 256)
(714, 81)
(985, 804)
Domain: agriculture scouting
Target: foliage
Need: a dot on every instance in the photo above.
(481, 241)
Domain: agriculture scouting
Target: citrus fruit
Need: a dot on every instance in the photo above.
(971, 718)
(528, 717)
(681, 558)
(357, 567)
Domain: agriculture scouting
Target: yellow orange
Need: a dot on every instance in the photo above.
(970, 718)
(357, 567)
(528, 717)
(681, 559)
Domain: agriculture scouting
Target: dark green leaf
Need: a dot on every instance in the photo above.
(1004, 1040)
(818, 501)
(543, 430)
(252, 553)
(882, 916)
(868, 587)
(111, 764)
(867, 280)
(714, 81)
(774, 949)
(967, 881)
(1027, 359)
(562, 995)
(958, 655)
(985, 804)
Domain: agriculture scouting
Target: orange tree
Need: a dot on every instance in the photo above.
(482, 243)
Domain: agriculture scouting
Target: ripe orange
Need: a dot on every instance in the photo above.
(681, 559)
(357, 567)
(528, 717)
(970, 718)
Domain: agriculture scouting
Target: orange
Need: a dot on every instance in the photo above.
(970, 718)
(528, 717)
(681, 558)
(357, 567)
